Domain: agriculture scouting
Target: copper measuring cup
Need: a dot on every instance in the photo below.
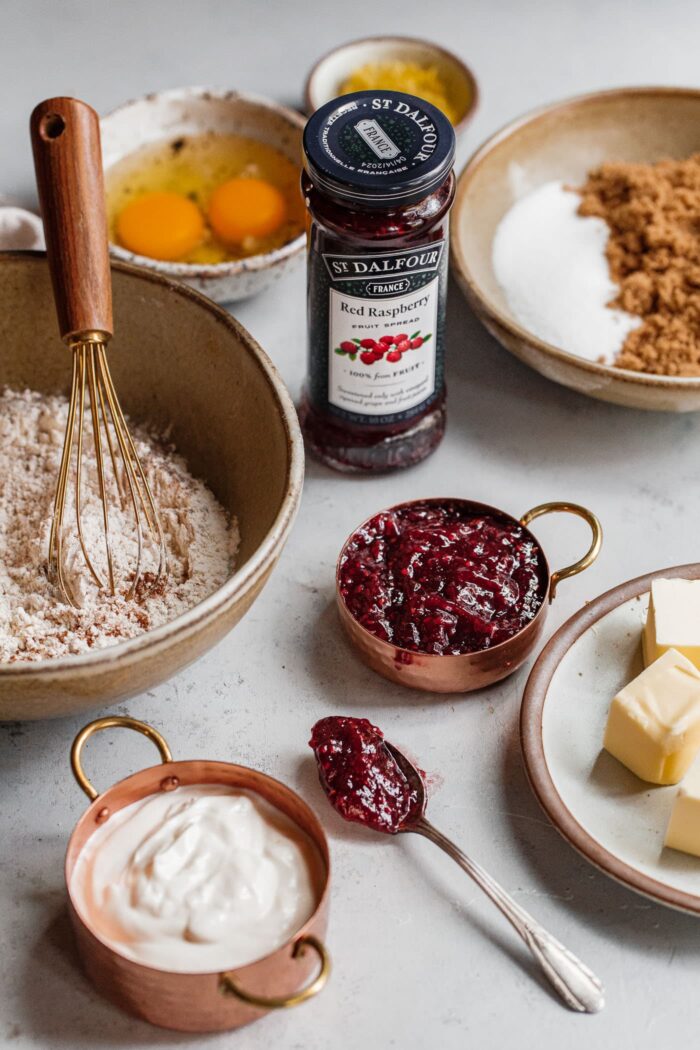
(199, 1002)
(467, 671)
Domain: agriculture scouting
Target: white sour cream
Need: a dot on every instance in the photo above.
(194, 880)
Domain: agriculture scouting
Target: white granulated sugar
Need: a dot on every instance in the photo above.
(35, 623)
(551, 265)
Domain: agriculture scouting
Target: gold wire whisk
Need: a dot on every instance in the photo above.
(91, 369)
(67, 158)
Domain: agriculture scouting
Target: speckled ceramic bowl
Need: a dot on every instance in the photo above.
(333, 69)
(192, 111)
(563, 141)
(178, 359)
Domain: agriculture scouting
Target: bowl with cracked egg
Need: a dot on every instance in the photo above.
(572, 239)
(203, 186)
(218, 437)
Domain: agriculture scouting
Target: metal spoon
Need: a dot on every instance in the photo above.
(576, 984)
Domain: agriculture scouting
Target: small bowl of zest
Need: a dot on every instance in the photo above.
(198, 1001)
(194, 125)
(414, 66)
(469, 667)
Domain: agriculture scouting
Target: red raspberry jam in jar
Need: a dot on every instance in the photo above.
(441, 578)
(358, 774)
(378, 185)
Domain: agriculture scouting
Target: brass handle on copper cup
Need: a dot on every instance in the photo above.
(227, 985)
(592, 552)
(110, 722)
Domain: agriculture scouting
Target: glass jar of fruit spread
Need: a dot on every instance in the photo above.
(378, 185)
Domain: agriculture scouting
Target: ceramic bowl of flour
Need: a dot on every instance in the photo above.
(180, 362)
(560, 144)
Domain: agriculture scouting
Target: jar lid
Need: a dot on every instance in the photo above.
(379, 147)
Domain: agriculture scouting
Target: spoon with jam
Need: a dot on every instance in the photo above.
(369, 781)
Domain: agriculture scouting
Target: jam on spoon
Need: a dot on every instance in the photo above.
(359, 775)
(442, 577)
(369, 781)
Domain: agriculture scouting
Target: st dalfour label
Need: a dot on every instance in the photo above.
(379, 332)
(400, 379)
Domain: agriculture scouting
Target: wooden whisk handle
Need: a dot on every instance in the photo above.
(68, 162)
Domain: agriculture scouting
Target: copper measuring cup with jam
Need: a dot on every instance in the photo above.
(199, 1002)
(465, 671)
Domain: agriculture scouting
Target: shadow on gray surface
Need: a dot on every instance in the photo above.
(496, 400)
(347, 686)
(491, 925)
(59, 1007)
(610, 776)
(24, 742)
(357, 690)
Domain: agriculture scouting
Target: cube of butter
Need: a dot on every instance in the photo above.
(673, 620)
(654, 722)
(683, 830)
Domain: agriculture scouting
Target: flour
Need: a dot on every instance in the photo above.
(35, 623)
(551, 265)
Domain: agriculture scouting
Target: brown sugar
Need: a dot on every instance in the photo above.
(653, 211)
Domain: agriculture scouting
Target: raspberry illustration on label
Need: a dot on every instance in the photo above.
(388, 347)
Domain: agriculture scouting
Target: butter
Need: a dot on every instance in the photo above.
(683, 830)
(673, 620)
(654, 722)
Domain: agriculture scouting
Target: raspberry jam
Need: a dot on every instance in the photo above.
(360, 777)
(378, 185)
(442, 577)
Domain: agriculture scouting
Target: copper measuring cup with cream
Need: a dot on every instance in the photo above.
(465, 672)
(195, 1001)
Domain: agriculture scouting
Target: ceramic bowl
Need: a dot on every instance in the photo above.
(327, 76)
(193, 111)
(564, 141)
(178, 359)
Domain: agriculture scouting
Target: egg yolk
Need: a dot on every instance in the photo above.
(161, 225)
(243, 208)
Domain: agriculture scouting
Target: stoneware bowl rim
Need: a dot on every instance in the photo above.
(481, 298)
(235, 266)
(534, 754)
(319, 840)
(429, 658)
(241, 581)
(398, 38)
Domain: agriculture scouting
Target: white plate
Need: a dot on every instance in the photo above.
(614, 819)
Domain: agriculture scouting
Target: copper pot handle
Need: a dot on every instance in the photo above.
(592, 552)
(108, 723)
(227, 985)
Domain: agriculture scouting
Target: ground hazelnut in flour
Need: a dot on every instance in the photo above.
(35, 624)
